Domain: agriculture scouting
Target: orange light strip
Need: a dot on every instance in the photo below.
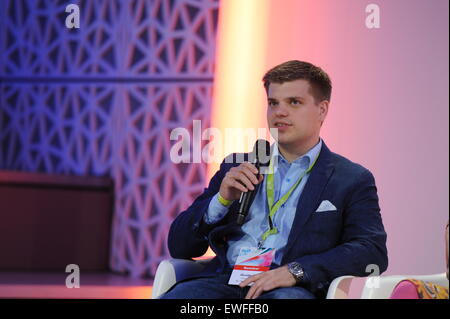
(238, 95)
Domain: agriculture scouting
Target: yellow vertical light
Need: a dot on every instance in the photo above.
(238, 95)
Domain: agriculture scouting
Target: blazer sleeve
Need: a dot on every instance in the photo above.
(188, 234)
(362, 251)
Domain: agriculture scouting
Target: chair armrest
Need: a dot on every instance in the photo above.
(171, 271)
(340, 287)
(382, 287)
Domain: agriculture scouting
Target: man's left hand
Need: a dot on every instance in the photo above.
(268, 280)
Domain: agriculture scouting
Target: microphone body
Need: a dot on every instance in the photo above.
(261, 155)
(246, 200)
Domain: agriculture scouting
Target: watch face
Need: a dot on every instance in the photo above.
(296, 270)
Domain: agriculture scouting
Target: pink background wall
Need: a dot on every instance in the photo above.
(389, 107)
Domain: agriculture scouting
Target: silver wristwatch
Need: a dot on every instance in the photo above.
(296, 270)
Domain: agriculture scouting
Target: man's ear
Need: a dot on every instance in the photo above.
(323, 109)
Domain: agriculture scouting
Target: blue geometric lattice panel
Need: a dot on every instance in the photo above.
(63, 129)
(119, 130)
(132, 38)
(150, 189)
(103, 99)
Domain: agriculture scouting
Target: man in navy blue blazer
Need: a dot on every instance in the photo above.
(319, 211)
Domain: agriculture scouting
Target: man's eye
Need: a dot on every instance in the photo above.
(272, 103)
(295, 102)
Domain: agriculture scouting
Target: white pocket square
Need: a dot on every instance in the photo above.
(326, 206)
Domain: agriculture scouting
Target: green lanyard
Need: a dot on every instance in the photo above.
(273, 208)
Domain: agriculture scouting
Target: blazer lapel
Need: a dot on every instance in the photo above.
(309, 199)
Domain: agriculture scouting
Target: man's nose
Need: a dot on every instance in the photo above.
(281, 111)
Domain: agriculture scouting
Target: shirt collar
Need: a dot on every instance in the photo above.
(304, 160)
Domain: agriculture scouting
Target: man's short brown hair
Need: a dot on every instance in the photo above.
(295, 70)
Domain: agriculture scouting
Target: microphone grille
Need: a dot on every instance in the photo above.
(262, 152)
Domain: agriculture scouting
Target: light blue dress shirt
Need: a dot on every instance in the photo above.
(286, 175)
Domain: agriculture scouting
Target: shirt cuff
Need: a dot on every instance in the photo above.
(216, 211)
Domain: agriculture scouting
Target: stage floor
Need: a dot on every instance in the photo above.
(92, 285)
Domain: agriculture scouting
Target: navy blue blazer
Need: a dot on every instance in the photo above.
(327, 244)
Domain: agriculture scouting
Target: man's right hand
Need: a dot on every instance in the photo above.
(239, 179)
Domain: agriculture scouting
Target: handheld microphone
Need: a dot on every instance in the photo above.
(259, 157)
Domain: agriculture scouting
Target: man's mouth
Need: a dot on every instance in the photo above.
(282, 124)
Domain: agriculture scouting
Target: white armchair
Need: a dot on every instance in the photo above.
(378, 287)
(173, 270)
(375, 287)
